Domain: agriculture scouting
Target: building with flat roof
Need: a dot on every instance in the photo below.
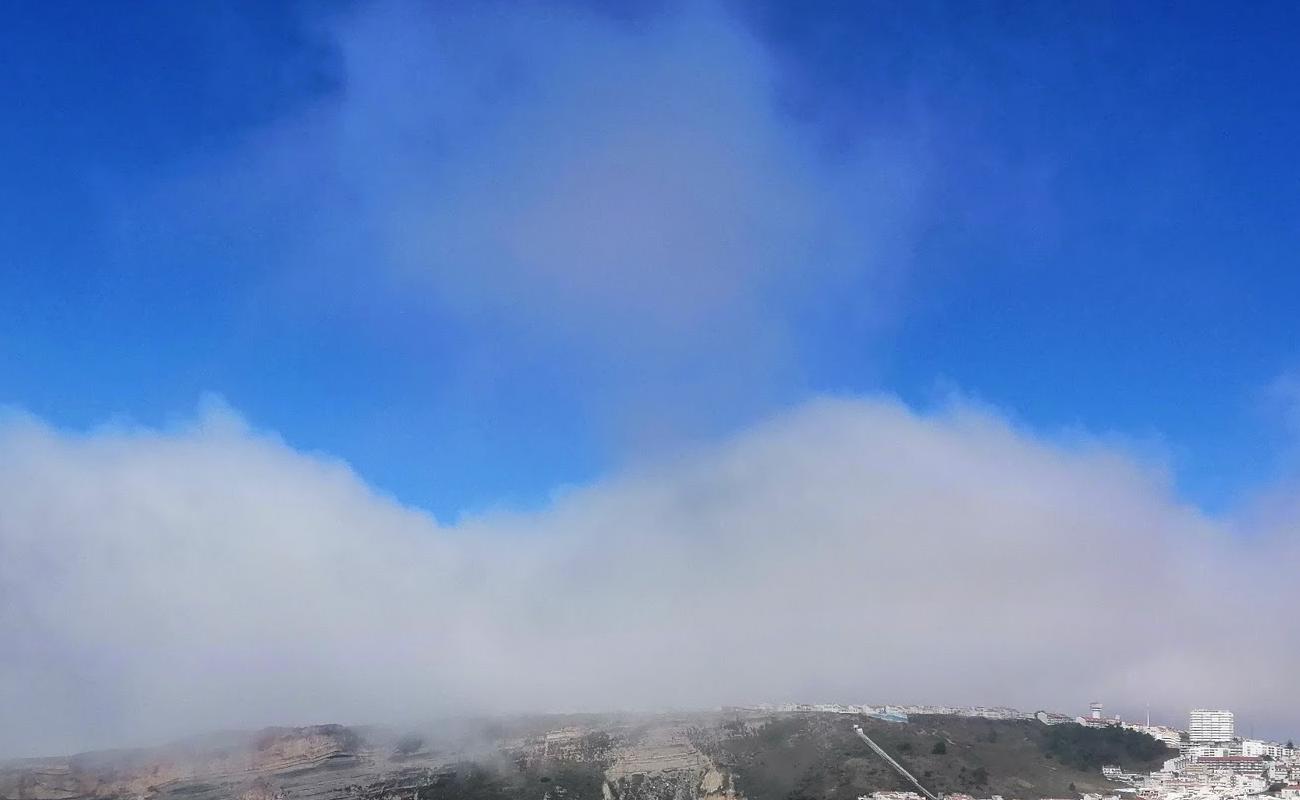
(1210, 725)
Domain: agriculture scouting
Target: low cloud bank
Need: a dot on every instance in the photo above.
(156, 583)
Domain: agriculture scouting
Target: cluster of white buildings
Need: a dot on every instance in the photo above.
(1213, 763)
(895, 712)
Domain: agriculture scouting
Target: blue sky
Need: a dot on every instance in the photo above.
(1083, 216)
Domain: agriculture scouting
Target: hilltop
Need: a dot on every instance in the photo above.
(818, 756)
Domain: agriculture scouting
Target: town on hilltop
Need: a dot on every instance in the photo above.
(1212, 762)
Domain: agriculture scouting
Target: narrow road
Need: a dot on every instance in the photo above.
(891, 762)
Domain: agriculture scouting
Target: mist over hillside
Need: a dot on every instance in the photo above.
(684, 756)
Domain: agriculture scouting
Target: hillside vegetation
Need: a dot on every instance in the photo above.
(818, 756)
(1091, 748)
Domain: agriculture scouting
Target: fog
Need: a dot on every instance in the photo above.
(208, 576)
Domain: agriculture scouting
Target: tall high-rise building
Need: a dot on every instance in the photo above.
(1206, 725)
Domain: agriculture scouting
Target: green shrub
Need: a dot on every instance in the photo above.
(1088, 749)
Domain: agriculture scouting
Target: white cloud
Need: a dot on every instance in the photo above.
(156, 583)
(625, 196)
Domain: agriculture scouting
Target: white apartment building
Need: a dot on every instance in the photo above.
(1256, 747)
(1219, 750)
(1207, 725)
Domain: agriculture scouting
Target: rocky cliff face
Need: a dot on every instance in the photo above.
(643, 758)
(150, 773)
(279, 749)
(662, 764)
